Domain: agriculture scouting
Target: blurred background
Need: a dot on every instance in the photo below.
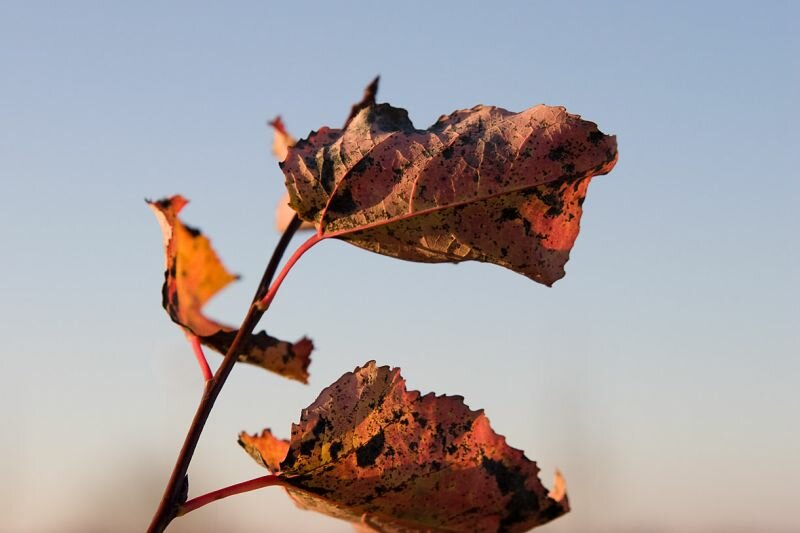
(661, 375)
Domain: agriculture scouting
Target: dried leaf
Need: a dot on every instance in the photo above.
(371, 452)
(482, 184)
(281, 143)
(193, 275)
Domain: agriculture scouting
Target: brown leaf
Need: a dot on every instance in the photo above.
(193, 275)
(482, 184)
(371, 452)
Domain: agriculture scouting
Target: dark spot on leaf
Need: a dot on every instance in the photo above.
(526, 224)
(321, 425)
(595, 137)
(308, 446)
(336, 449)
(288, 461)
(194, 232)
(522, 503)
(389, 118)
(302, 481)
(369, 452)
(553, 212)
(362, 166)
(501, 474)
(326, 175)
(343, 202)
(557, 154)
(552, 511)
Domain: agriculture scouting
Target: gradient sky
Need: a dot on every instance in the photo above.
(660, 375)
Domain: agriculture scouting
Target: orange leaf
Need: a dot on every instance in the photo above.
(193, 275)
(371, 452)
(266, 449)
(482, 184)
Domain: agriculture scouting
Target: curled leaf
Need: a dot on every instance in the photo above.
(371, 452)
(193, 275)
(481, 184)
(266, 449)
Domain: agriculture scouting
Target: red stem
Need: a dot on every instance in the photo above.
(201, 357)
(245, 486)
(264, 303)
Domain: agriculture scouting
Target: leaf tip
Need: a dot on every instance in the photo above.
(559, 490)
(266, 449)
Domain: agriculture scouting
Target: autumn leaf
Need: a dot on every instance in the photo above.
(193, 275)
(481, 184)
(281, 142)
(371, 452)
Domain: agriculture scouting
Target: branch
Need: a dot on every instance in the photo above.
(177, 486)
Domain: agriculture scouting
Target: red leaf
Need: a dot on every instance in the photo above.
(371, 452)
(193, 275)
(482, 184)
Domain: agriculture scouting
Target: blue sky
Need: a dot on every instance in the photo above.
(660, 375)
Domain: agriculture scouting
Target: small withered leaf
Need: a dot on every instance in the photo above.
(193, 275)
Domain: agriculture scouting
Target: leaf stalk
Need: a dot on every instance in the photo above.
(238, 488)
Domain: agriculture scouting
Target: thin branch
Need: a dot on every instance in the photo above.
(263, 303)
(177, 486)
(239, 488)
(201, 357)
